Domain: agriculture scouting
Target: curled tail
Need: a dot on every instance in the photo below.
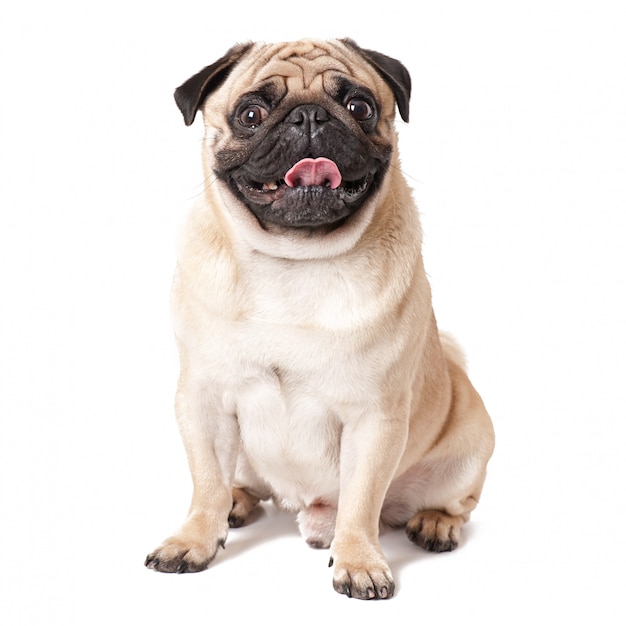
(452, 350)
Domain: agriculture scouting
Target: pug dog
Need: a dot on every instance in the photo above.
(312, 371)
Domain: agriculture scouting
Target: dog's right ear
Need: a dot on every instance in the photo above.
(191, 94)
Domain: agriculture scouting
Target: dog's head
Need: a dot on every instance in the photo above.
(299, 136)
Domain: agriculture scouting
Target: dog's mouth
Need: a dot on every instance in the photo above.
(320, 172)
(350, 191)
(311, 193)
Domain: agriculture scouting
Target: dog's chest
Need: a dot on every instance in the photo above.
(305, 369)
(309, 351)
(320, 295)
(292, 393)
(290, 436)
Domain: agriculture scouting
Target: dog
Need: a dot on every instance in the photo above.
(312, 371)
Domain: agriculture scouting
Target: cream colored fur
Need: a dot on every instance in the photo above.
(312, 370)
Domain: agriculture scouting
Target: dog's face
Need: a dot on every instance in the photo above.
(299, 136)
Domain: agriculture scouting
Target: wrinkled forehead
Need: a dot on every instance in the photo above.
(307, 65)
(301, 66)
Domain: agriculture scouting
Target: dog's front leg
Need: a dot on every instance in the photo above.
(370, 450)
(211, 441)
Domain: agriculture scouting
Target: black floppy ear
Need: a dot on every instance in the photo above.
(191, 94)
(392, 72)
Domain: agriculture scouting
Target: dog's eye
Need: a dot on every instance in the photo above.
(252, 115)
(360, 109)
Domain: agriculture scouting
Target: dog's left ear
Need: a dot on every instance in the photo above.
(191, 94)
(392, 72)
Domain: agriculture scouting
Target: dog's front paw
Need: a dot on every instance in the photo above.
(362, 573)
(191, 550)
(178, 556)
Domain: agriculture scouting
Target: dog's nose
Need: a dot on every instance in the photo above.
(308, 115)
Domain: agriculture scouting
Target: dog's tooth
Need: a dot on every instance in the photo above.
(272, 186)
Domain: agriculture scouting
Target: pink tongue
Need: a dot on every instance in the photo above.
(309, 172)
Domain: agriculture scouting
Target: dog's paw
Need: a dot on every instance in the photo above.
(181, 557)
(435, 531)
(361, 572)
(371, 583)
(192, 549)
(243, 505)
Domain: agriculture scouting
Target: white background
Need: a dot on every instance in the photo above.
(516, 153)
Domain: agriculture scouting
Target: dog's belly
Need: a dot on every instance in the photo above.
(291, 441)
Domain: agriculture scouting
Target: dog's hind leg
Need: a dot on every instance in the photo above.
(243, 504)
(438, 531)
